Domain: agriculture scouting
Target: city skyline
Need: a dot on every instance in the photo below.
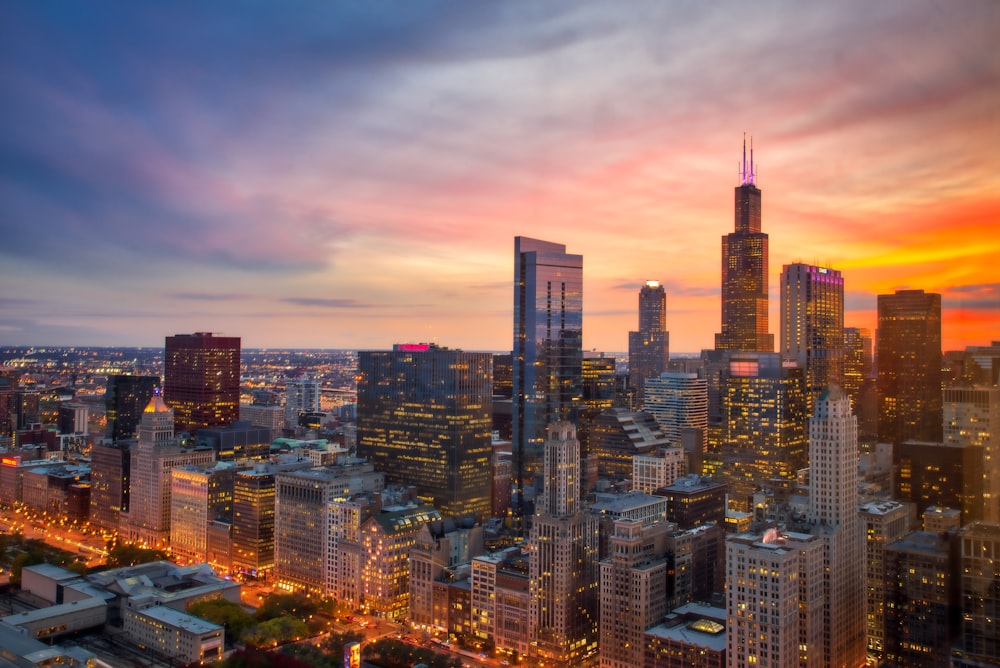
(354, 176)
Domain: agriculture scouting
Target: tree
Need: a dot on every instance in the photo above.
(277, 605)
(130, 555)
(225, 613)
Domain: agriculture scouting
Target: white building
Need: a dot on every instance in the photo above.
(301, 396)
(174, 634)
(677, 401)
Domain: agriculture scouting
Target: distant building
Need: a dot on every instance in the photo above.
(236, 441)
(270, 417)
(909, 367)
(649, 346)
(302, 395)
(201, 379)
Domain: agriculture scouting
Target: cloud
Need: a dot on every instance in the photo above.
(984, 296)
(211, 296)
(327, 303)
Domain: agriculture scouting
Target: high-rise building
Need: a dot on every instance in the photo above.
(563, 558)
(908, 345)
(201, 379)
(124, 399)
(763, 429)
(921, 599)
(618, 435)
(812, 324)
(833, 510)
(678, 401)
(649, 347)
(425, 419)
(8, 414)
(979, 596)
(199, 495)
(972, 416)
(153, 456)
(110, 472)
(301, 396)
(859, 378)
(744, 272)
(599, 394)
(304, 521)
(548, 349)
(947, 475)
(774, 599)
(635, 580)
(73, 417)
(884, 522)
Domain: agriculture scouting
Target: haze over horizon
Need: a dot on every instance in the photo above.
(352, 175)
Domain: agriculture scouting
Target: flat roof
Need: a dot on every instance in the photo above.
(179, 619)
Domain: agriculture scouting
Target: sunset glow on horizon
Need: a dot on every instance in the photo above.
(354, 175)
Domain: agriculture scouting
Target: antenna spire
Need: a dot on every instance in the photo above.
(747, 176)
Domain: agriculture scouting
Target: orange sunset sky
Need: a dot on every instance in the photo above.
(350, 175)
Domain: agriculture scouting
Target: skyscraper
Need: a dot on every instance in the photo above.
(812, 324)
(744, 272)
(548, 348)
(425, 419)
(833, 507)
(908, 345)
(678, 401)
(563, 558)
(649, 347)
(202, 379)
(972, 417)
(301, 396)
(124, 400)
(884, 522)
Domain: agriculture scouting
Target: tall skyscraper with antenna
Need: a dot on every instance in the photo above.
(744, 272)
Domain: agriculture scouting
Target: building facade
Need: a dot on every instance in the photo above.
(972, 416)
(548, 350)
(908, 344)
(201, 379)
(812, 324)
(649, 346)
(678, 401)
(425, 419)
(744, 272)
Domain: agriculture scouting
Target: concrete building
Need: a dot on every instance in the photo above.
(302, 395)
(774, 600)
(563, 558)
(979, 596)
(884, 523)
(691, 636)
(677, 401)
(199, 495)
(972, 416)
(175, 634)
(658, 469)
(618, 435)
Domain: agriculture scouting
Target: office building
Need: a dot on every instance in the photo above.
(744, 272)
(110, 472)
(678, 401)
(812, 324)
(763, 430)
(774, 600)
(154, 455)
(438, 547)
(691, 636)
(979, 596)
(548, 350)
(833, 512)
(859, 379)
(617, 435)
(884, 523)
(921, 599)
(73, 417)
(303, 521)
(199, 495)
(649, 347)
(124, 400)
(909, 367)
(8, 413)
(600, 392)
(634, 589)
(563, 558)
(695, 501)
(425, 419)
(657, 469)
(235, 442)
(948, 475)
(201, 380)
(972, 416)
